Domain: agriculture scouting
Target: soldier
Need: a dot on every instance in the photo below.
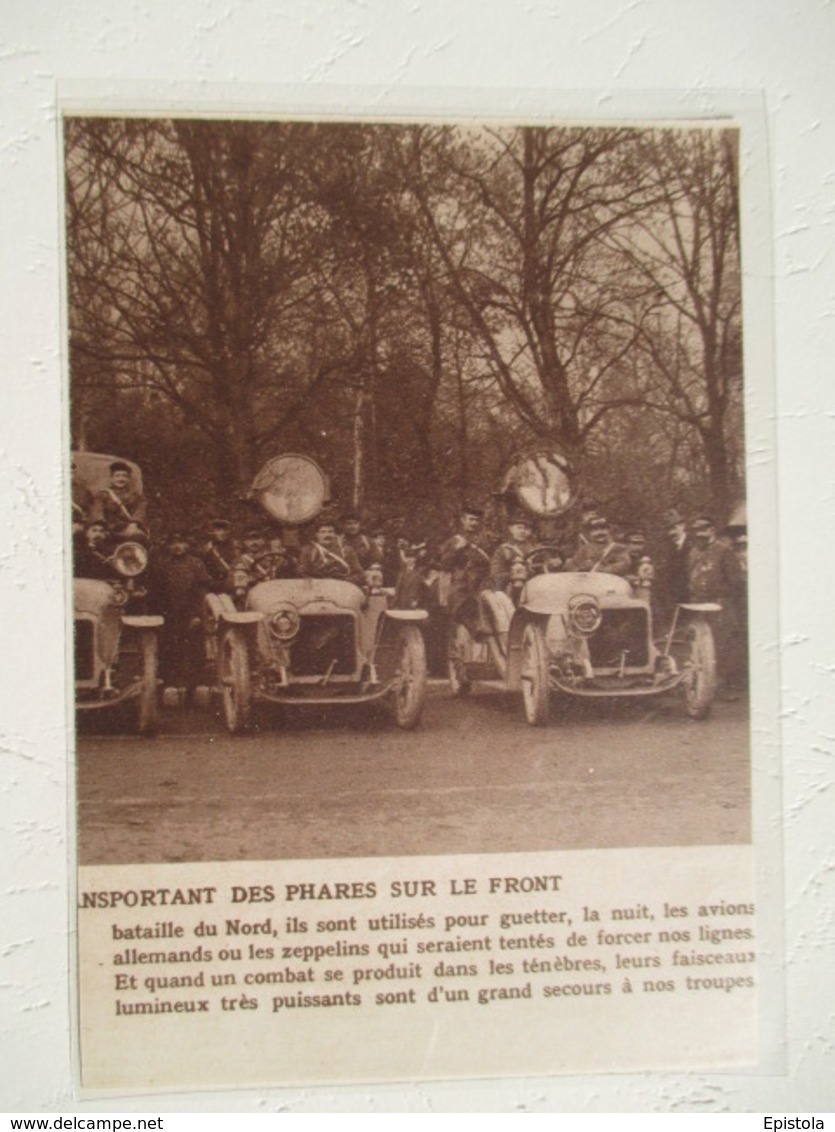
(678, 553)
(278, 560)
(219, 553)
(465, 558)
(641, 570)
(412, 591)
(714, 575)
(90, 553)
(601, 552)
(508, 566)
(354, 537)
(120, 506)
(325, 557)
(182, 581)
(250, 566)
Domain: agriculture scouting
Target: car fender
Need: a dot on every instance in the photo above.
(406, 614)
(143, 620)
(521, 619)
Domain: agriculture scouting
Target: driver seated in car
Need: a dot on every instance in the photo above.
(509, 564)
(326, 557)
(600, 552)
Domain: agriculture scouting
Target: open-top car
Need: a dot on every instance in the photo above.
(312, 640)
(579, 633)
(115, 642)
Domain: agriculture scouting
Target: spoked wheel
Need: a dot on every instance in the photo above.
(409, 692)
(536, 691)
(146, 704)
(497, 611)
(459, 657)
(700, 670)
(233, 668)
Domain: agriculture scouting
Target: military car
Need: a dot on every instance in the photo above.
(576, 634)
(116, 644)
(312, 640)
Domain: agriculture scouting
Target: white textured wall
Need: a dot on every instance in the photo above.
(782, 48)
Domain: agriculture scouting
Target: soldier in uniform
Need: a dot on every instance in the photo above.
(326, 557)
(90, 553)
(121, 507)
(714, 575)
(354, 537)
(220, 553)
(252, 564)
(182, 581)
(508, 566)
(463, 556)
(641, 570)
(678, 552)
(600, 552)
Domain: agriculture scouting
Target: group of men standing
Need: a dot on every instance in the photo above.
(696, 565)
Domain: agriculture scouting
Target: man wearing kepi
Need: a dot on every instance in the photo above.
(714, 575)
(464, 557)
(508, 566)
(326, 557)
(601, 552)
(120, 506)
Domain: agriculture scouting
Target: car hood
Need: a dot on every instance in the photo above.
(311, 595)
(548, 593)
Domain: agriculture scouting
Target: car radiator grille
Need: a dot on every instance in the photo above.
(84, 664)
(621, 631)
(324, 641)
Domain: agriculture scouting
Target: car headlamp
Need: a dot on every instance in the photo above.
(284, 625)
(584, 614)
(129, 559)
(119, 595)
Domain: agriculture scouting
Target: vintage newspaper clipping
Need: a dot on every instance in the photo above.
(410, 600)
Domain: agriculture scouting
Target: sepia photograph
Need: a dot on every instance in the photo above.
(392, 719)
(408, 488)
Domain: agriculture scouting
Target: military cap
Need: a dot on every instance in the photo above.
(672, 517)
(702, 523)
(220, 524)
(471, 509)
(120, 466)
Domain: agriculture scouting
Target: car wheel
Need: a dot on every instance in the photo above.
(236, 696)
(410, 688)
(536, 691)
(700, 676)
(459, 655)
(146, 708)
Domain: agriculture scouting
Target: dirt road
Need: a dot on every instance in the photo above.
(473, 778)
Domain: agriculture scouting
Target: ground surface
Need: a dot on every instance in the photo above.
(473, 778)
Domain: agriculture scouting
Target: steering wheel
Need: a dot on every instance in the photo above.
(539, 560)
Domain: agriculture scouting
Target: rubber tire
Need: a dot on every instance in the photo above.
(408, 697)
(459, 682)
(146, 704)
(235, 684)
(700, 690)
(497, 656)
(536, 689)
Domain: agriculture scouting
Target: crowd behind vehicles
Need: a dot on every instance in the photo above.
(456, 585)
